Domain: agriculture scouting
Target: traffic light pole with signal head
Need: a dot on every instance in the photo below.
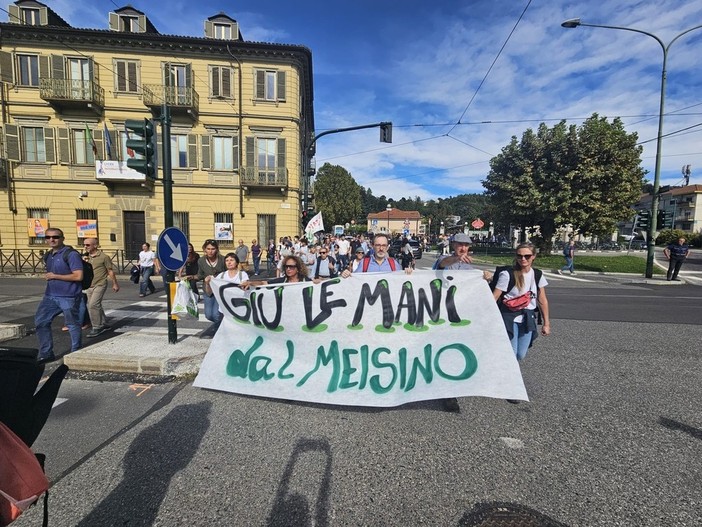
(385, 137)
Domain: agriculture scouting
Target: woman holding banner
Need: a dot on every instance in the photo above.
(294, 270)
(518, 291)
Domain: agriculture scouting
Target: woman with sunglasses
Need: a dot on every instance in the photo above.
(522, 284)
(294, 270)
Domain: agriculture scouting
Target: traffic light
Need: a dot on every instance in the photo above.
(143, 144)
(642, 220)
(665, 219)
(386, 132)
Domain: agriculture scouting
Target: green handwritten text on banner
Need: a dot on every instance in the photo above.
(368, 340)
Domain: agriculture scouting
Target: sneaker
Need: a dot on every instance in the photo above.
(451, 405)
(559, 272)
(48, 358)
(142, 295)
(65, 328)
(95, 332)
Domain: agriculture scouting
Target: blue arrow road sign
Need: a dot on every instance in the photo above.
(172, 248)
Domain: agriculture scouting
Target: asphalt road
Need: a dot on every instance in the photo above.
(612, 436)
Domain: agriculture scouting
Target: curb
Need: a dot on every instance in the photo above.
(12, 331)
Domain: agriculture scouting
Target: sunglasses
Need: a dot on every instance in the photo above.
(322, 252)
(53, 237)
(524, 256)
(291, 266)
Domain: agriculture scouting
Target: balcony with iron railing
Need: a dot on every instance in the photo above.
(254, 176)
(76, 94)
(180, 99)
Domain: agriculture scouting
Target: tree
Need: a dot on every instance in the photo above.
(586, 176)
(336, 195)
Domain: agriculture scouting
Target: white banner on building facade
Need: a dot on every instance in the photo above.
(368, 340)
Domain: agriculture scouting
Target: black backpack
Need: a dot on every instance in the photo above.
(88, 273)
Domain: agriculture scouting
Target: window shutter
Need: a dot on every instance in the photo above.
(281, 85)
(280, 162)
(206, 162)
(14, 14)
(44, 67)
(64, 146)
(235, 153)
(114, 22)
(209, 29)
(97, 137)
(189, 76)
(214, 82)
(49, 145)
(250, 152)
(57, 67)
(133, 85)
(166, 66)
(260, 85)
(121, 75)
(43, 16)
(6, 67)
(93, 71)
(113, 142)
(12, 146)
(226, 82)
(141, 20)
(192, 151)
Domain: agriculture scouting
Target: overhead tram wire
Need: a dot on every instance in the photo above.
(491, 66)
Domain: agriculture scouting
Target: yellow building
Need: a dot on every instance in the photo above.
(394, 221)
(241, 114)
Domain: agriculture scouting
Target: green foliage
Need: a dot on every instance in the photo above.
(666, 236)
(336, 195)
(585, 176)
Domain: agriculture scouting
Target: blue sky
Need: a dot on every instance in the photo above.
(420, 65)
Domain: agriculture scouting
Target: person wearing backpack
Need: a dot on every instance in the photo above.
(569, 255)
(380, 262)
(64, 274)
(518, 290)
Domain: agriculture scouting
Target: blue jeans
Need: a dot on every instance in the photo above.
(49, 308)
(569, 265)
(520, 340)
(257, 264)
(212, 312)
(146, 282)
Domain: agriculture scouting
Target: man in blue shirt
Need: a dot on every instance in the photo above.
(63, 294)
(676, 254)
(380, 261)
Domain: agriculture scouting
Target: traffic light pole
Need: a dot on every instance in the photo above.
(168, 210)
(386, 137)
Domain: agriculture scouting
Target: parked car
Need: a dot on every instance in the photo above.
(396, 248)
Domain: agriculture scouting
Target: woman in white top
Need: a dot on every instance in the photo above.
(147, 265)
(521, 324)
(233, 274)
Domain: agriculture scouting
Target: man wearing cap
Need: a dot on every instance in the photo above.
(460, 259)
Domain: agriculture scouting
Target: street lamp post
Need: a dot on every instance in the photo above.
(388, 208)
(575, 22)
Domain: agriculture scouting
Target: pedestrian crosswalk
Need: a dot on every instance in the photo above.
(150, 316)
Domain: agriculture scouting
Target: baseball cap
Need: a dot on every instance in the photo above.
(462, 237)
(360, 250)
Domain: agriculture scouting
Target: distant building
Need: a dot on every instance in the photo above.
(683, 203)
(395, 221)
(242, 113)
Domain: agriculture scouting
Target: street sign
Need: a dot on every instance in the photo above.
(405, 232)
(172, 248)
(478, 224)
(374, 222)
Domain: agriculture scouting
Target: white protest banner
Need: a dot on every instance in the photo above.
(373, 339)
(316, 224)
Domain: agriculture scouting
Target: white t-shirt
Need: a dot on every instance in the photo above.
(239, 277)
(529, 285)
(146, 258)
(344, 247)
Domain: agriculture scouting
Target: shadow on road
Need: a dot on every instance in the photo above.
(671, 424)
(153, 458)
(292, 508)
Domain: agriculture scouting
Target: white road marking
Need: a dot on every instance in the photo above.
(59, 400)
